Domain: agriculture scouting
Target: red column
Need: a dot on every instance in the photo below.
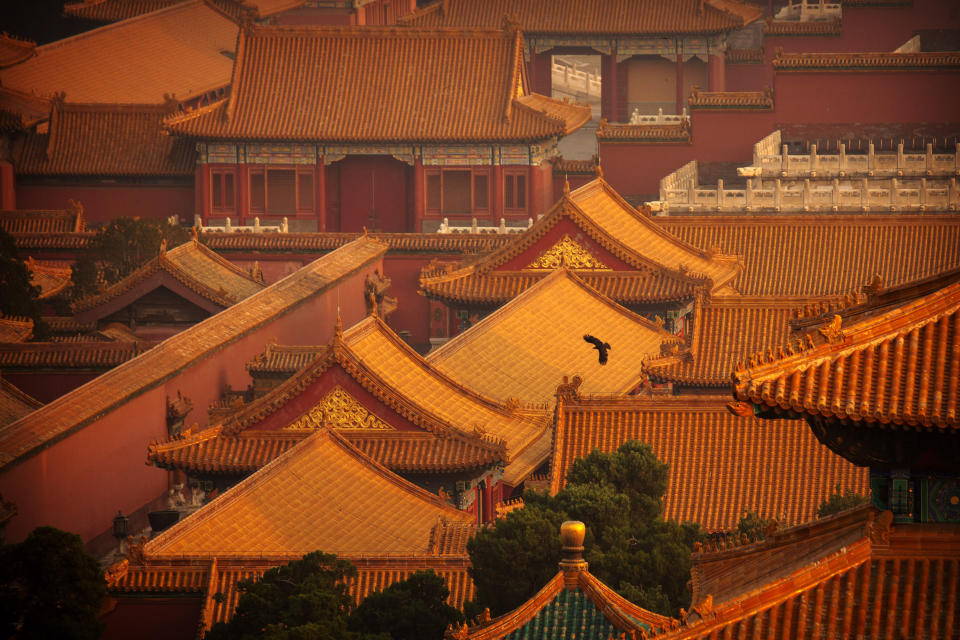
(488, 500)
(680, 96)
(496, 207)
(419, 200)
(243, 193)
(320, 199)
(535, 207)
(8, 200)
(202, 192)
(716, 71)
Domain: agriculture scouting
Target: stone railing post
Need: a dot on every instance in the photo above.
(900, 162)
(893, 194)
(228, 226)
(777, 194)
(929, 158)
(843, 159)
(806, 194)
(923, 194)
(836, 194)
(864, 194)
(719, 194)
(871, 159)
(813, 160)
(473, 225)
(785, 160)
(748, 195)
(256, 225)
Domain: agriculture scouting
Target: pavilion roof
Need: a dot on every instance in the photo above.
(322, 494)
(526, 347)
(192, 265)
(380, 84)
(86, 353)
(241, 444)
(889, 362)
(721, 464)
(849, 575)
(586, 610)
(178, 51)
(669, 268)
(526, 431)
(825, 255)
(51, 277)
(22, 221)
(105, 140)
(14, 403)
(20, 111)
(114, 10)
(14, 50)
(15, 329)
(85, 404)
(575, 17)
(725, 331)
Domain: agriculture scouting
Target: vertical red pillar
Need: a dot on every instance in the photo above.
(679, 105)
(8, 200)
(243, 193)
(488, 500)
(497, 205)
(321, 196)
(202, 192)
(419, 201)
(614, 91)
(536, 191)
(716, 70)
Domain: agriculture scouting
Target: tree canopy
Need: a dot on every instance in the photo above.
(18, 296)
(306, 599)
(120, 247)
(50, 588)
(411, 609)
(628, 545)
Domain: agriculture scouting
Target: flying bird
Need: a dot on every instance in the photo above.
(599, 345)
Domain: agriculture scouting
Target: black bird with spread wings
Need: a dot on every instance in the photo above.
(599, 345)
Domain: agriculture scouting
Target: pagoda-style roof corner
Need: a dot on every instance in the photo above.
(888, 363)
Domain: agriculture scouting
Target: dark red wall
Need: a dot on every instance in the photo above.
(47, 386)
(102, 203)
(171, 618)
(378, 182)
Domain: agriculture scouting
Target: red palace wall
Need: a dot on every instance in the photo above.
(377, 183)
(47, 386)
(153, 618)
(102, 203)
(79, 482)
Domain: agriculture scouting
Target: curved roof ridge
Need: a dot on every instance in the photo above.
(276, 467)
(364, 327)
(339, 352)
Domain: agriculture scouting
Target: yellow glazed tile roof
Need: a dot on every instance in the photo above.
(524, 349)
(525, 431)
(14, 404)
(323, 494)
(85, 404)
(193, 265)
(174, 51)
(721, 464)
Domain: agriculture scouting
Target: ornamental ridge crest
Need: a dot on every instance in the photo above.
(567, 252)
(342, 411)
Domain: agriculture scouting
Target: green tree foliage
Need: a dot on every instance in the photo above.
(50, 588)
(119, 248)
(18, 297)
(304, 600)
(841, 501)
(412, 609)
(628, 544)
(752, 525)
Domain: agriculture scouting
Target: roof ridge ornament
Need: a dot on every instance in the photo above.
(572, 563)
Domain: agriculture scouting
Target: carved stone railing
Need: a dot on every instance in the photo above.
(806, 10)
(474, 228)
(790, 196)
(638, 118)
(229, 227)
(572, 80)
(870, 165)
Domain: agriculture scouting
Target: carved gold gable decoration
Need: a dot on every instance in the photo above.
(567, 253)
(342, 411)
